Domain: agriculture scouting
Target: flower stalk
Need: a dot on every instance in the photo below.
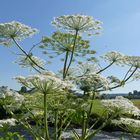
(72, 53)
(46, 129)
(28, 56)
(56, 124)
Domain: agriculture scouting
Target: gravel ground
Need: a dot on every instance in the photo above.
(106, 135)
(66, 135)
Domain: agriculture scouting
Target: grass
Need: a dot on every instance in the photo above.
(97, 108)
(136, 102)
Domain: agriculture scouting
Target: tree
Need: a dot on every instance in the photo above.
(23, 89)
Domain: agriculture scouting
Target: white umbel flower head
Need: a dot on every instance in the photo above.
(113, 56)
(86, 68)
(15, 30)
(132, 61)
(92, 82)
(77, 22)
(81, 70)
(25, 61)
(46, 82)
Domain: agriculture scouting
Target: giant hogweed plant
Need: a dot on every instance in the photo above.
(59, 103)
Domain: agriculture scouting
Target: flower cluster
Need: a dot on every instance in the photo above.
(45, 82)
(132, 61)
(87, 68)
(123, 104)
(77, 22)
(63, 42)
(81, 70)
(25, 61)
(92, 82)
(15, 30)
(35, 113)
(8, 122)
(136, 75)
(113, 80)
(115, 57)
(66, 103)
(15, 99)
(127, 122)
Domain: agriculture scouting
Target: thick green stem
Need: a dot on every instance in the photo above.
(88, 115)
(106, 67)
(65, 71)
(84, 126)
(65, 65)
(127, 73)
(91, 106)
(131, 74)
(60, 124)
(73, 49)
(46, 129)
(56, 123)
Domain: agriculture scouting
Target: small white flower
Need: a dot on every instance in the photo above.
(77, 22)
(127, 122)
(50, 73)
(14, 30)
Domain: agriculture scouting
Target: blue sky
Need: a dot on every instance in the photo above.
(121, 29)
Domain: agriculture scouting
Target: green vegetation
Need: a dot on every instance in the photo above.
(136, 102)
(98, 107)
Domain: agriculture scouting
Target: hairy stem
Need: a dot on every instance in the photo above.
(73, 49)
(84, 128)
(46, 129)
(60, 124)
(131, 74)
(106, 67)
(65, 64)
(56, 124)
(127, 73)
(89, 113)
